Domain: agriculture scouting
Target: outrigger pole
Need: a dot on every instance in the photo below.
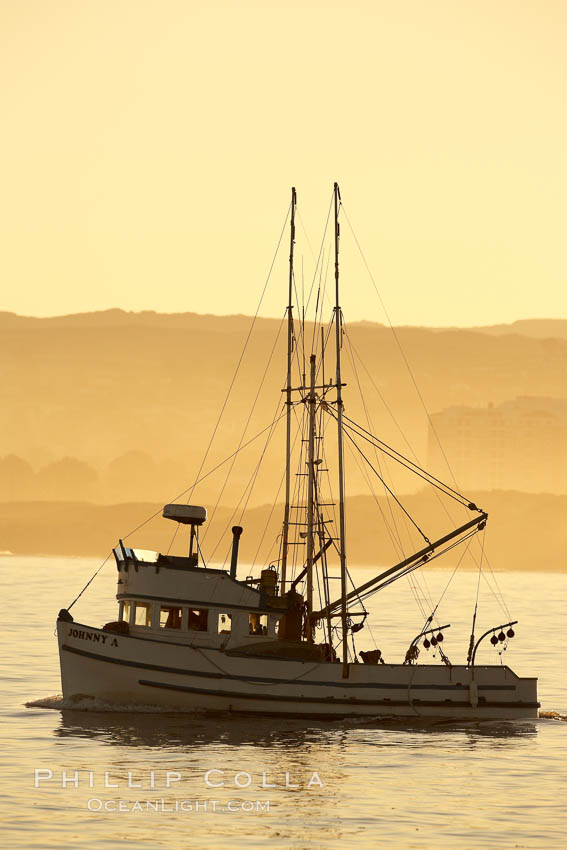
(422, 555)
(343, 599)
(285, 533)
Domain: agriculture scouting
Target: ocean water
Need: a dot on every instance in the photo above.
(95, 776)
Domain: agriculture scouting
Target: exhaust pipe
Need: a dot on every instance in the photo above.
(236, 532)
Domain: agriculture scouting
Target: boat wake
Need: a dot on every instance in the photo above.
(86, 703)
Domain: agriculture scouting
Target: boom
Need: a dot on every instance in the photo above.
(423, 554)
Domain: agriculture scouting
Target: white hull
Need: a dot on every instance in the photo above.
(133, 670)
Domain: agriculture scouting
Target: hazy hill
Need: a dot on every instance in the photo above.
(96, 386)
(524, 531)
(121, 318)
(536, 328)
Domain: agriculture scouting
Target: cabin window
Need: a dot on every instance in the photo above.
(257, 624)
(169, 617)
(143, 614)
(126, 608)
(198, 620)
(225, 624)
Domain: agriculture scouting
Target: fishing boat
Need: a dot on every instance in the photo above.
(193, 637)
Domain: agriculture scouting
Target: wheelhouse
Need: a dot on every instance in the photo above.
(172, 598)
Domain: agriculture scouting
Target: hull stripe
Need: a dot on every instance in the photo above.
(272, 681)
(332, 700)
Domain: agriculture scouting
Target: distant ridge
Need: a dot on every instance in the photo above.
(116, 317)
(535, 328)
(86, 529)
(94, 388)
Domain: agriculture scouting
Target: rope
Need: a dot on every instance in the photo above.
(247, 340)
(179, 495)
(251, 413)
(419, 564)
(376, 455)
(380, 396)
(393, 539)
(89, 581)
(432, 615)
(403, 461)
(496, 591)
(272, 509)
(250, 483)
(471, 645)
(402, 352)
(306, 305)
(425, 537)
(500, 597)
(256, 472)
(203, 477)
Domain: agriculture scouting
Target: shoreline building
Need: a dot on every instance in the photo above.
(519, 444)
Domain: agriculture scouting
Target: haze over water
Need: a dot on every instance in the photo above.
(383, 784)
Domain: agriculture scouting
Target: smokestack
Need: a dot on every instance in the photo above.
(236, 532)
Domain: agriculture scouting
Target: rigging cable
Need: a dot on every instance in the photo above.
(376, 455)
(420, 563)
(499, 596)
(428, 477)
(306, 305)
(393, 538)
(400, 347)
(92, 578)
(239, 363)
(347, 434)
(178, 496)
(271, 511)
(413, 581)
(250, 414)
(352, 351)
(252, 480)
(299, 485)
(471, 645)
(496, 591)
(432, 615)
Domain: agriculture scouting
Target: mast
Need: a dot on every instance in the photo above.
(285, 534)
(340, 440)
(312, 401)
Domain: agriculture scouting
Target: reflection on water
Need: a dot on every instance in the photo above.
(179, 730)
(202, 730)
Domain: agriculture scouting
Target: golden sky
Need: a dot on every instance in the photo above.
(149, 146)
